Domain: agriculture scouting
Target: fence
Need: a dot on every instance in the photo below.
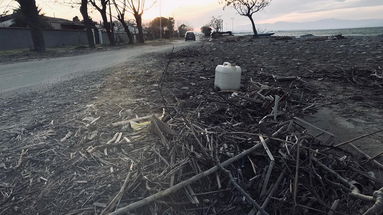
(20, 38)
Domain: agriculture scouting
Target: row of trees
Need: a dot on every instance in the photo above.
(162, 27)
(136, 8)
(122, 8)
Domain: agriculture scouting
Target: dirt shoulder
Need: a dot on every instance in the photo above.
(61, 154)
(22, 55)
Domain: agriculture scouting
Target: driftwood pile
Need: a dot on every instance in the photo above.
(210, 152)
(366, 78)
(248, 152)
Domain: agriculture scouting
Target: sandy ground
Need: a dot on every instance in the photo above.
(338, 74)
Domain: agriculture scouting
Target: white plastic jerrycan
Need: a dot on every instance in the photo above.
(227, 77)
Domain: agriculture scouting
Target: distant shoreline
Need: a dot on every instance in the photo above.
(329, 29)
(365, 31)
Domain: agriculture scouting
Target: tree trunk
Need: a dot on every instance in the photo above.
(31, 14)
(108, 27)
(87, 22)
(253, 25)
(139, 26)
(126, 28)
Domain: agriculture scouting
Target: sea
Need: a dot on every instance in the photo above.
(373, 31)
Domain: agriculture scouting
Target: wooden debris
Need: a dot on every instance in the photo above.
(182, 184)
(125, 122)
(113, 203)
(67, 136)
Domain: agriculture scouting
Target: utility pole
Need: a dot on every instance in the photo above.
(160, 20)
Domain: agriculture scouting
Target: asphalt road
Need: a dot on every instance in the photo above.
(45, 72)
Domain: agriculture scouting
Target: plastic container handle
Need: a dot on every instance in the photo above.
(227, 64)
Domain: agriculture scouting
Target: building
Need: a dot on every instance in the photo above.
(15, 20)
(58, 32)
(63, 24)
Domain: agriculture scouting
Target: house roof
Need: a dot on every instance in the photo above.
(61, 21)
(46, 19)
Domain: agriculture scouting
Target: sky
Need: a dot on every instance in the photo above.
(198, 12)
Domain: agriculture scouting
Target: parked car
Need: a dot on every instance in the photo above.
(189, 36)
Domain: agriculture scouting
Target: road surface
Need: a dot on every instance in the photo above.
(39, 73)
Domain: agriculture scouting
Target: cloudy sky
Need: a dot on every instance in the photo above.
(198, 12)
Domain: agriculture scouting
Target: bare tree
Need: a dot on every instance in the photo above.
(87, 22)
(31, 13)
(216, 23)
(248, 8)
(121, 7)
(101, 6)
(137, 8)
